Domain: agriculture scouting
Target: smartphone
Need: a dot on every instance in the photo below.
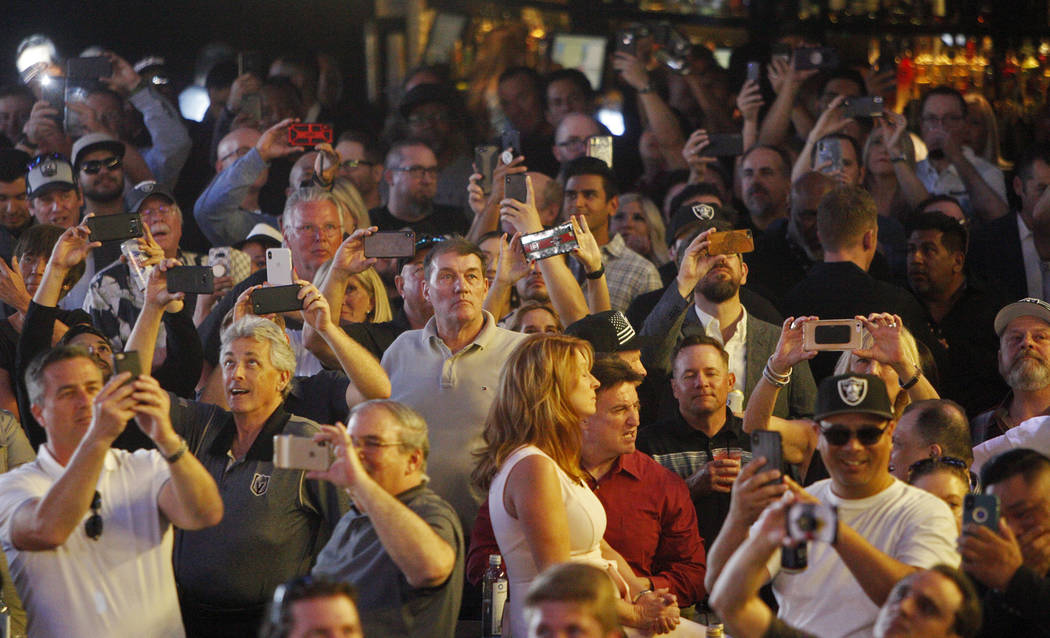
(485, 158)
(823, 58)
(301, 453)
(829, 154)
(754, 71)
(767, 443)
(54, 93)
(723, 145)
(863, 107)
(309, 134)
(112, 227)
(730, 242)
(514, 187)
(279, 266)
(626, 42)
(982, 509)
(272, 299)
(87, 69)
(388, 244)
(511, 138)
(832, 334)
(251, 62)
(812, 522)
(601, 146)
(219, 260)
(192, 279)
(547, 243)
(127, 362)
(781, 51)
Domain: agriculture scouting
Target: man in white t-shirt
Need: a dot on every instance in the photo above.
(87, 528)
(886, 528)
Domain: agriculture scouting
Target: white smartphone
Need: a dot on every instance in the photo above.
(279, 266)
(301, 453)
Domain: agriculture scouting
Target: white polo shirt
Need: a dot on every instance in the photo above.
(121, 584)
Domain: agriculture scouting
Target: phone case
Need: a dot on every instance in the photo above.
(515, 187)
(511, 139)
(390, 244)
(279, 266)
(127, 362)
(754, 70)
(730, 242)
(191, 279)
(829, 151)
(982, 509)
(86, 69)
(547, 243)
(767, 443)
(219, 260)
(485, 158)
(724, 145)
(113, 227)
(601, 146)
(863, 107)
(309, 134)
(301, 453)
(835, 334)
(272, 299)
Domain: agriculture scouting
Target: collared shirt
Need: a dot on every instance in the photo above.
(948, 181)
(652, 523)
(627, 273)
(736, 347)
(120, 584)
(388, 604)
(453, 392)
(1035, 269)
(674, 444)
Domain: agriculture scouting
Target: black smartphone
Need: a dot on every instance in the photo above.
(514, 187)
(192, 279)
(511, 138)
(251, 62)
(388, 244)
(54, 93)
(767, 443)
(485, 158)
(863, 106)
(723, 145)
(127, 362)
(626, 42)
(87, 69)
(270, 299)
(754, 70)
(823, 58)
(113, 227)
(982, 509)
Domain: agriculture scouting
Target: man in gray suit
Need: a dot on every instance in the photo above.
(705, 299)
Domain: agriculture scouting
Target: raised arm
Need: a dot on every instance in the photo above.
(589, 255)
(486, 208)
(158, 300)
(750, 103)
(888, 349)
(896, 127)
(830, 121)
(660, 120)
(511, 267)
(787, 82)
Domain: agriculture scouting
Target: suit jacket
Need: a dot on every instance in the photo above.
(995, 256)
(671, 321)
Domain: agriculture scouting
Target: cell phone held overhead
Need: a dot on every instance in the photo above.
(548, 243)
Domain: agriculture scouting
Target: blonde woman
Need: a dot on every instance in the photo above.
(542, 511)
(364, 298)
(982, 131)
(638, 220)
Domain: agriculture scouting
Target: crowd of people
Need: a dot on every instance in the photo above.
(647, 426)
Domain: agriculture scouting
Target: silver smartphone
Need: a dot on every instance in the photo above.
(301, 453)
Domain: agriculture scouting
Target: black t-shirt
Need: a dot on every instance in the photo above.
(442, 220)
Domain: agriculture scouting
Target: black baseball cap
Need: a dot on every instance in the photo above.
(697, 216)
(608, 331)
(852, 394)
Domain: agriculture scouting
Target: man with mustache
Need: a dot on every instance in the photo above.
(1023, 328)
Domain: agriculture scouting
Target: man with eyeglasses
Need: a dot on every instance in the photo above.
(886, 529)
(412, 177)
(88, 528)
(951, 168)
(362, 164)
(434, 114)
(401, 544)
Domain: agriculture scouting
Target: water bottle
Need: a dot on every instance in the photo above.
(493, 597)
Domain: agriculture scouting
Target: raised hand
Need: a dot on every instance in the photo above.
(750, 101)
(157, 293)
(346, 470)
(588, 253)
(274, 141)
(789, 349)
(12, 287)
(350, 257)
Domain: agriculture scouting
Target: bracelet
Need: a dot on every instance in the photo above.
(640, 594)
(597, 274)
(183, 447)
(781, 377)
(910, 383)
(767, 374)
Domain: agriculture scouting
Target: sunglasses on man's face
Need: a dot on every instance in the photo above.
(839, 435)
(92, 167)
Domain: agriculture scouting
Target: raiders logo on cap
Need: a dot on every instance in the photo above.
(852, 390)
(703, 212)
(49, 168)
(146, 187)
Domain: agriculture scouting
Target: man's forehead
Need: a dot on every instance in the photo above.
(16, 185)
(416, 154)
(577, 125)
(699, 355)
(348, 149)
(943, 103)
(82, 369)
(585, 182)
(761, 158)
(315, 211)
(455, 261)
(623, 392)
(1026, 323)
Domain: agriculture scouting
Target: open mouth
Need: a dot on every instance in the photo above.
(236, 392)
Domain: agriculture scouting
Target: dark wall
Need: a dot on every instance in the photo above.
(178, 29)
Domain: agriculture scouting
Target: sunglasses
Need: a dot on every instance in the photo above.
(839, 435)
(40, 159)
(93, 526)
(92, 167)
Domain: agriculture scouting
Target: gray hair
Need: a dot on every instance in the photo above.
(412, 426)
(314, 194)
(263, 330)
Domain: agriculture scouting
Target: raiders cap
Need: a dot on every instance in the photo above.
(852, 394)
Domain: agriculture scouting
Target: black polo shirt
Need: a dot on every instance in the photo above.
(377, 337)
(674, 444)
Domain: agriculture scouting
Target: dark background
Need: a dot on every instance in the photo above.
(178, 29)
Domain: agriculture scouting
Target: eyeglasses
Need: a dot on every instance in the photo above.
(93, 525)
(933, 120)
(426, 241)
(92, 167)
(327, 230)
(40, 159)
(352, 164)
(372, 442)
(163, 210)
(839, 435)
(419, 171)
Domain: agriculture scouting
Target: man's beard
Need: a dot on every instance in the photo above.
(1028, 374)
(104, 196)
(719, 290)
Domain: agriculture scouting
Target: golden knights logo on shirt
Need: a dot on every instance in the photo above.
(260, 482)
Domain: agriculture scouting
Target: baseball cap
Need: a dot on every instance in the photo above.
(264, 234)
(425, 94)
(1027, 307)
(94, 142)
(852, 394)
(48, 173)
(703, 215)
(145, 190)
(608, 331)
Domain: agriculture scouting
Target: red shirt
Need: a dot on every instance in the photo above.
(651, 522)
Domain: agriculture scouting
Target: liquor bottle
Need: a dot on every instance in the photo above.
(493, 597)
